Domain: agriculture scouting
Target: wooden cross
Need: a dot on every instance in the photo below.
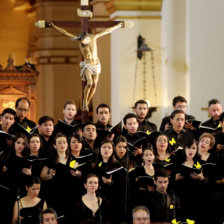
(85, 25)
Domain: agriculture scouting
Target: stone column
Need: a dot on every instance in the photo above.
(174, 66)
(146, 17)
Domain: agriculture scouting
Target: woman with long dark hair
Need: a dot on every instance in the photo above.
(16, 167)
(35, 156)
(79, 165)
(79, 159)
(111, 178)
(57, 175)
(189, 181)
(122, 153)
(29, 206)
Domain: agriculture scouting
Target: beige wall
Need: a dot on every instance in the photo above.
(205, 35)
(192, 57)
(124, 62)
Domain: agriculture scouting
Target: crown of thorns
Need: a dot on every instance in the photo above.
(82, 36)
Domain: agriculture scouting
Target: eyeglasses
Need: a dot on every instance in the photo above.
(181, 107)
(205, 141)
(21, 109)
(162, 141)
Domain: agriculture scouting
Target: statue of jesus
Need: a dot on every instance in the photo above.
(91, 67)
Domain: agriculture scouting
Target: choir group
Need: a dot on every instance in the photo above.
(68, 172)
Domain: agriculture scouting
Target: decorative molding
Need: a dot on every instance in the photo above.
(11, 90)
(46, 60)
(137, 5)
(17, 81)
(135, 17)
(25, 78)
(94, 2)
(121, 14)
(25, 68)
(37, 1)
(25, 73)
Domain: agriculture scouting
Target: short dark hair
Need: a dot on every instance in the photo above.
(161, 173)
(173, 114)
(45, 118)
(68, 102)
(9, 111)
(47, 211)
(102, 105)
(87, 123)
(213, 101)
(177, 99)
(20, 99)
(129, 115)
(141, 102)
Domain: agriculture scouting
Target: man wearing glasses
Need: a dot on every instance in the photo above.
(140, 215)
(179, 103)
(22, 106)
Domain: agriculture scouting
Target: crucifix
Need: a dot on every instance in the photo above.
(90, 66)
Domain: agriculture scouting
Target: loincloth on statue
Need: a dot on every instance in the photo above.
(94, 69)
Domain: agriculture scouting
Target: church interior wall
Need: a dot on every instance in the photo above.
(14, 34)
(188, 53)
(124, 56)
(205, 52)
